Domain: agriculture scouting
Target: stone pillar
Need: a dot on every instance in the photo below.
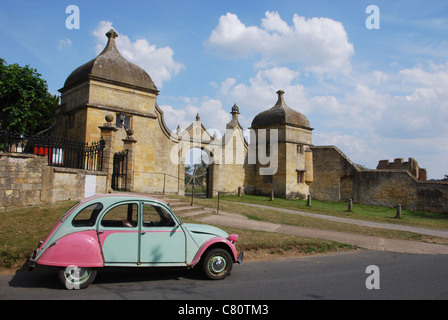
(350, 205)
(107, 133)
(129, 144)
(309, 173)
(398, 215)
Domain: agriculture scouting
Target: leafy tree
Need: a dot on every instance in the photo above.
(361, 166)
(26, 106)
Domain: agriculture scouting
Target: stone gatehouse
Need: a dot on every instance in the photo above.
(114, 99)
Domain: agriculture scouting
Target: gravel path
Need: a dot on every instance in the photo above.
(431, 232)
(362, 241)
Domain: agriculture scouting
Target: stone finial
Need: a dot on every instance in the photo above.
(198, 118)
(235, 109)
(109, 118)
(111, 34)
(235, 112)
(280, 100)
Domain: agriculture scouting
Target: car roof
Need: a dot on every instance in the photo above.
(121, 195)
(118, 195)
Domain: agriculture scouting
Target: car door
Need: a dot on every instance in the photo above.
(162, 239)
(118, 234)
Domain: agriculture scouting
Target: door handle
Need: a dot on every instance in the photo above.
(100, 231)
(143, 232)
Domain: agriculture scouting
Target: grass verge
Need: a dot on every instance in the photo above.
(371, 213)
(362, 212)
(260, 245)
(22, 229)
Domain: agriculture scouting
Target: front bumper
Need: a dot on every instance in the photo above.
(240, 257)
(31, 262)
(32, 259)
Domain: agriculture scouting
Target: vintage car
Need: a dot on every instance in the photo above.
(131, 230)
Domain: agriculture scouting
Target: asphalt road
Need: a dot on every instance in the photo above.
(323, 277)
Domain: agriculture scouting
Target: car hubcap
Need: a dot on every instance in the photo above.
(217, 265)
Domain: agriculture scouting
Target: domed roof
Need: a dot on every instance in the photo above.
(280, 114)
(111, 66)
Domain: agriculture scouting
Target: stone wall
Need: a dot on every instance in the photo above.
(333, 175)
(27, 180)
(387, 188)
(411, 165)
(336, 178)
(432, 196)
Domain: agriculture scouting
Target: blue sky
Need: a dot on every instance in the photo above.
(375, 93)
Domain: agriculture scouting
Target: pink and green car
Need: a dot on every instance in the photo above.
(130, 230)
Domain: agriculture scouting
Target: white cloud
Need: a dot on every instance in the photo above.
(410, 123)
(345, 142)
(211, 112)
(382, 115)
(158, 62)
(319, 44)
(436, 77)
(259, 92)
(367, 122)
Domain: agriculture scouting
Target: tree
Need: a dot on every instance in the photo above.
(26, 106)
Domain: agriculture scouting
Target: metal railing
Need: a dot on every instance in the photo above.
(60, 152)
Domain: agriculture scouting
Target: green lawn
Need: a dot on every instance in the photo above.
(378, 214)
(22, 229)
(363, 212)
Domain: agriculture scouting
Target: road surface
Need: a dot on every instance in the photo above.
(332, 276)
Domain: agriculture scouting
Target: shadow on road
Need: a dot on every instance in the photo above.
(47, 277)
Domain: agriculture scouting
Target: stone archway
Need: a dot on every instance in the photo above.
(198, 173)
(196, 137)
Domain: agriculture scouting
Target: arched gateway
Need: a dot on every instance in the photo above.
(114, 99)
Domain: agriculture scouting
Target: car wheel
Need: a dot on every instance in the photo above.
(217, 264)
(76, 278)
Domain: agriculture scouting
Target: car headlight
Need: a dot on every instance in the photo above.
(233, 238)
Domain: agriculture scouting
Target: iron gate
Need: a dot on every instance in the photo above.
(120, 171)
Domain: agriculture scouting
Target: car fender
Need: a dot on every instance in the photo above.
(79, 249)
(212, 242)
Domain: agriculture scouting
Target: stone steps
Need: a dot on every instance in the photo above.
(183, 208)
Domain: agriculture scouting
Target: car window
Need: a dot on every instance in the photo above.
(69, 211)
(121, 216)
(155, 216)
(87, 216)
